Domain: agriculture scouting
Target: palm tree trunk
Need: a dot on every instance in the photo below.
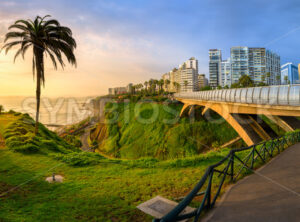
(39, 72)
(38, 99)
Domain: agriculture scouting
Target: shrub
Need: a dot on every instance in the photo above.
(26, 148)
(79, 159)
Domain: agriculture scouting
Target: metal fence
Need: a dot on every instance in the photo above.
(238, 163)
(268, 95)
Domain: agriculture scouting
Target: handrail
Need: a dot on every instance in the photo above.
(236, 164)
(266, 95)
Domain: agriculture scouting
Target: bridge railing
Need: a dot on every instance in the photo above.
(237, 164)
(267, 95)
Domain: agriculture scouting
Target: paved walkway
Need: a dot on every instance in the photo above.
(272, 194)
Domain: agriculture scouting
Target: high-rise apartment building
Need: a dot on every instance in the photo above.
(272, 68)
(289, 74)
(260, 64)
(175, 78)
(202, 81)
(189, 75)
(185, 78)
(215, 59)
(239, 62)
(225, 73)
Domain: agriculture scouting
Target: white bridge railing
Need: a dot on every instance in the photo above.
(267, 95)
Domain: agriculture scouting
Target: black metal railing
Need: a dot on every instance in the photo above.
(238, 163)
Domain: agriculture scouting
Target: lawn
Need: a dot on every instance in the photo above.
(108, 190)
(5, 119)
(105, 192)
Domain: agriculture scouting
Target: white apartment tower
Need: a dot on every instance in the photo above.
(189, 75)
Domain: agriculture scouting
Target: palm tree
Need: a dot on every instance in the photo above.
(167, 83)
(160, 84)
(177, 86)
(185, 84)
(286, 79)
(1, 109)
(151, 82)
(47, 37)
(146, 84)
(278, 79)
(155, 83)
(268, 77)
(263, 78)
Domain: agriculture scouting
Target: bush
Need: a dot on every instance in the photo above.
(79, 159)
(26, 148)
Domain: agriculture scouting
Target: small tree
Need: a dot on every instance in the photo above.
(146, 84)
(1, 109)
(278, 79)
(177, 86)
(286, 79)
(245, 81)
(268, 74)
(167, 83)
(185, 84)
(160, 84)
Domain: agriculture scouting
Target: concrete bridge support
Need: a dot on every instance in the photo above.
(251, 128)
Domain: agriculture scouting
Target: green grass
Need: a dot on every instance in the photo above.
(6, 119)
(109, 191)
(95, 188)
(166, 137)
(19, 136)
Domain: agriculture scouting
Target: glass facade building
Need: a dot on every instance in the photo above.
(289, 74)
(239, 62)
(215, 59)
(226, 73)
(260, 64)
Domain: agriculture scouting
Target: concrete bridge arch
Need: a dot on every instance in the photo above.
(246, 120)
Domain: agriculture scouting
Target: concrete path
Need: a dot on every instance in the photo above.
(272, 194)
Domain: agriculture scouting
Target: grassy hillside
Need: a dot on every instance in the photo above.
(19, 136)
(129, 132)
(5, 119)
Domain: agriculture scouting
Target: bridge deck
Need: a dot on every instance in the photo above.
(271, 194)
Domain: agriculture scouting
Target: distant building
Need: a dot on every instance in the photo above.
(215, 59)
(239, 62)
(120, 90)
(225, 73)
(129, 88)
(289, 74)
(202, 81)
(175, 78)
(260, 64)
(185, 78)
(189, 75)
(111, 91)
(299, 70)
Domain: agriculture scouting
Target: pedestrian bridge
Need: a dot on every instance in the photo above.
(242, 108)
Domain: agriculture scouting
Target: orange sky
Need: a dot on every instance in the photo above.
(110, 53)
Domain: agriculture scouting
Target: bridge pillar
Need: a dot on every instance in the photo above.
(278, 121)
(249, 127)
(184, 108)
(290, 122)
(268, 131)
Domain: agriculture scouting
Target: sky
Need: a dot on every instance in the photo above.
(123, 41)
